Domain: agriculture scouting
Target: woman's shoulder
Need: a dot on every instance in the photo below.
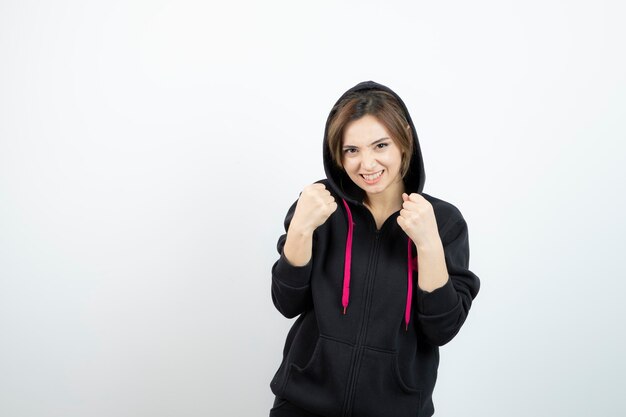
(446, 213)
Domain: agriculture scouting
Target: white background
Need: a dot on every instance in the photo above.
(149, 151)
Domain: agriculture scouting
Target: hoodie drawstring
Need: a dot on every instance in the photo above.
(409, 293)
(348, 261)
(345, 297)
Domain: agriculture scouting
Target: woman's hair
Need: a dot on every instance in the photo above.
(380, 104)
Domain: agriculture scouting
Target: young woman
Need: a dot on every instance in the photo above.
(375, 269)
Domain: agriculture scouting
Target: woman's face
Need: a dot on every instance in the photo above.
(371, 158)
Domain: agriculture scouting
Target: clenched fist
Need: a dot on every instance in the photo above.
(417, 219)
(314, 207)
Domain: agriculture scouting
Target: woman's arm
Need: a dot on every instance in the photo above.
(291, 274)
(298, 245)
(291, 283)
(442, 311)
(432, 270)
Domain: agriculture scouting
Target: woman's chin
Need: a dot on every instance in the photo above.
(373, 189)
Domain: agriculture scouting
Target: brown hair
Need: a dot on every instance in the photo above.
(380, 104)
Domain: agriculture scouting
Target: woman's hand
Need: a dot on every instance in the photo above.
(417, 219)
(314, 207)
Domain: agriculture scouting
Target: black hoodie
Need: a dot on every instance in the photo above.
(380, 358)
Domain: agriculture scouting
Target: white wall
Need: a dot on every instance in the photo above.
(150, 149)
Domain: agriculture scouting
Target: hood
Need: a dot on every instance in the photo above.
(339, 180)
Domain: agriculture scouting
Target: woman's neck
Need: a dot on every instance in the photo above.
(387, 202)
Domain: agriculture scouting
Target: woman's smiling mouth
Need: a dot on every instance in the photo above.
(372, 178)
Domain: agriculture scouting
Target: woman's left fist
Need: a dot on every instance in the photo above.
(417, 219)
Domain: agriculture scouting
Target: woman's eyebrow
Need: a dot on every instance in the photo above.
(371, 144)
(379, 140)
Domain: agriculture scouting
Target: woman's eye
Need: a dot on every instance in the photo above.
(349, 150)
(381, 145)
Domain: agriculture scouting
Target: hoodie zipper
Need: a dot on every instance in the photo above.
(358, 353)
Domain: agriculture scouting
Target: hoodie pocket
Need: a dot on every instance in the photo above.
(380, 390)
(319, 386)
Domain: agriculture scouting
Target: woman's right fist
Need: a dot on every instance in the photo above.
(314, 207)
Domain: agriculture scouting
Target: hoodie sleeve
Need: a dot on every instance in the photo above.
(291, 290)
(442, 312)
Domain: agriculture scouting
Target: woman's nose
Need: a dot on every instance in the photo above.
(369, 162)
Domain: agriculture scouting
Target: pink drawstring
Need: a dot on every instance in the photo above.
(345, 297)
(409, 293)
(348, 261)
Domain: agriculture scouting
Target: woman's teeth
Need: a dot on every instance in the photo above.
(372, 177)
